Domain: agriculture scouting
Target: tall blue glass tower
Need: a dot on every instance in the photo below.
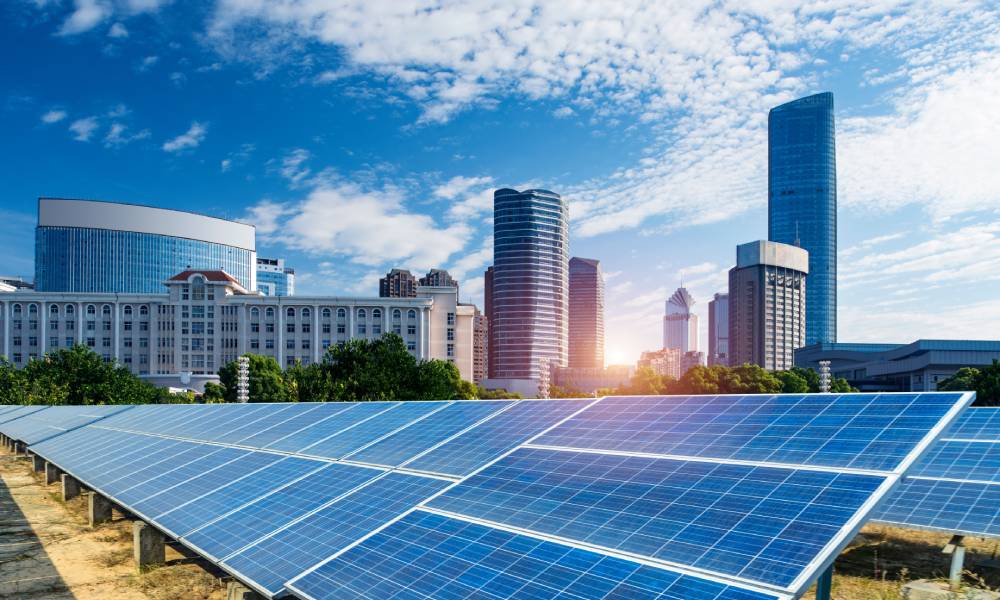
(529, 318)
(802, 200)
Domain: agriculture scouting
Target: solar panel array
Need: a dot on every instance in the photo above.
(955, 487)
(35, 424)
(728, 497)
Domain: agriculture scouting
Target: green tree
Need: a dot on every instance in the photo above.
(435, 380)
(985, 382)
(556, 391)
(267, 382)
(214, 393)
(309, 383)
(792, 383)
(501, 394)
(379, 369)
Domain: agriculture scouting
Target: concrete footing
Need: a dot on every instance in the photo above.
(237, 591)
(52, 473)
(923, 589)
(70, 487)
(98, 509)
(37, 463)
(148, 548)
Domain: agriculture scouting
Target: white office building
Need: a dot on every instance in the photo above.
(680, 324)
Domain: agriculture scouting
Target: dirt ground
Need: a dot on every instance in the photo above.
(47, 550)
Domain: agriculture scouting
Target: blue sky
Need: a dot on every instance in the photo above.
(364, 135)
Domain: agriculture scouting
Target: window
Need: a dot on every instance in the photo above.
(254, 344)
(255, 313)
(411, 314)
(306, 313)
(306, 328)
(326, 344)
(91, 326)
(53, 325)
(17, 310)
(106, 310)
(106, 342)
(376, 314)
(326, 328)
(33, 324)
(341, 313)
(362, 315)
(54, 342)
(289, 361)
(411, 346)
(198, 312)
(411, 330)
(91, 342)
(127, 311)
(269, 313)
(269, 327)
(70, 325)
(143, 310)
(290, 328)
(269, 344)
(127, 325)
(396, 314)
(377, 328)
(451, 334)
(397, 329)
(91, 309)
(32, 341)
(326, 313)
(16, 340)
(127, 342)
(32, 309)
(451, 318)
(305, 344)
(290, 313)
(451, 350)
(143, 325)
(290, 344)
(341, 328)
(197, 328)
(69, 309)
(254, 327)
(106, 325)
(144, 342)
(17, 357)
(69, 342)
(54, 310)
(362, 329)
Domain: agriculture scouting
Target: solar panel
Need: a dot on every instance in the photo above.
(968, 461)
(38, 426)
(430, 556)
(403, 445)
(358, 412)
(253, 521)
(949, 506)
(489, 440)
(976, 424)
(193, 514)
(311, 415)
(180, 472)
(365, 432)
(861, 431)
(272, 561)
(17, 413)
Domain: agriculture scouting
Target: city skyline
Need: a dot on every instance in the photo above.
(355, 161)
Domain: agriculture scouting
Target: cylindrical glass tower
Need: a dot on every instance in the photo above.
(530, 319)
(802, 200)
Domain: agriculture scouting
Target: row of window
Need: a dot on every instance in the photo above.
(91, 309)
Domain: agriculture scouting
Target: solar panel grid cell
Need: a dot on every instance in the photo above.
(399, 447)
(177, 473)
(312, 415)
(366, 432)
(252, 522)
(954, 507)
(487, 441)
(185, 518)
(760, 523)
(331, 426)
(425, 555)
(860, 431)
(276, 559)
(976, 424)
(971, 461)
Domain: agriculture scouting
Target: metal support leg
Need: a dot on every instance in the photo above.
(824, 584)
(956, 548)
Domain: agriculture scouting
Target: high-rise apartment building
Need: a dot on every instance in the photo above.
(802, 200)
(586, 313)
(680, 324)
(438, 278)
(767, 304)
(718, 330)
(480, 347)
(398, 283)
(274, 278)
(529, 304)
(108, 247)
(665, 362)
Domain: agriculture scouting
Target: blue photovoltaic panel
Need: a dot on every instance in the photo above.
(254, 521)
(357, 413)
(760, 523)
(56, 420)
(950, 506)
(972, 461)
(189, 516)
(368, 431)
(18, 412)
(411, 441)
(311, 415)
(178, 473)
(276, 559)
(74, 446)
(151, 465)
(429, 556)
(204, 483)
(976, 424)
(487, 441)
(256, 423)
(121, 454)
(861, 431)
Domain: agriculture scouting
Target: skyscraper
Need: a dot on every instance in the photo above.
(767, 304)
(802, 200)
(438, 277)
(680, 325)
(397, 283)
(274, 278)
(718, 330)
(586, 313)
(529, 316)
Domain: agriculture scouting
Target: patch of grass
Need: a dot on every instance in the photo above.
(115, 557)
(181, 581)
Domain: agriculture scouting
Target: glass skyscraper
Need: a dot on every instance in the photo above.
(586, 313)
(802, 200)
(274, 278)
(106, 247)
(529, 292)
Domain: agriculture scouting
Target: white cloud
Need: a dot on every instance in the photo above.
(293, 166)
(225, 164)
(178, 78)
(86, 15)
(367, 226)
(563, 112)
(147, 63)
(117, 136)
(83, 129)
(459, 185)
(53, 116)
(189, 139)
(118, 31)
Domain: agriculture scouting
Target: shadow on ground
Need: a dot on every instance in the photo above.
(25, 569)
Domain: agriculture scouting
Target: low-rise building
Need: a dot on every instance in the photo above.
(206, 319)
(915, 367)
(665, 362)
(591, 379)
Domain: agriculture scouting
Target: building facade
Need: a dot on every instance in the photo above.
(480, 347)
(680, 324)
(438, 278)
(802, 200)
(106, 247)
(718, 330)
(586, 314)
(915, 367)
(398, 283)
(690, 360)
(767, 304)
(590, 379)
(665, 362)
(205, 319)
(529, 319)
(274, 278)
